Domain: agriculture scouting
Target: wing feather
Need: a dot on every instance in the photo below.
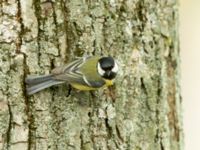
(72, 74)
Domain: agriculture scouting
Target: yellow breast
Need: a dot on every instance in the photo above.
(109, 82)
(82, 87)
(88, 88)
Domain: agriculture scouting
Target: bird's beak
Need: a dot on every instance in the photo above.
(108, 73)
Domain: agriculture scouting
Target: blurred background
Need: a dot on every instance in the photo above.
(190, 65)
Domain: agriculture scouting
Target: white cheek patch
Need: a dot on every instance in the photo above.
(115, 68)
(100, 70)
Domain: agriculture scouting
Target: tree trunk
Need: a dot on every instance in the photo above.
(141, 112)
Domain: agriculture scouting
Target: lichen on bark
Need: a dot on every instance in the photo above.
(141, 111)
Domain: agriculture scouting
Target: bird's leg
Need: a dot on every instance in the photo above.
(69, 90)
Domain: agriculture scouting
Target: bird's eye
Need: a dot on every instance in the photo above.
(107, 67)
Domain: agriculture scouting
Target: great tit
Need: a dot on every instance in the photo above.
(88, 73)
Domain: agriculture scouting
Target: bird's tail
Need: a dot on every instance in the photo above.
(38, 83)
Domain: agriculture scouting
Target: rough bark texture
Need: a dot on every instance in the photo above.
(141, 112)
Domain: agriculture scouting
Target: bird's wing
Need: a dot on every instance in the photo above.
(72, 74)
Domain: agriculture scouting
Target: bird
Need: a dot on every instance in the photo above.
(85, 74)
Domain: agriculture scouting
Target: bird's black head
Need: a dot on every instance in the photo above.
(107, 68)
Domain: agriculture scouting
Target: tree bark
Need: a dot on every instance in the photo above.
(142, 111)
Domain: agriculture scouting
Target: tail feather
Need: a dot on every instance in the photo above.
(36, 84)
(30, 80)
